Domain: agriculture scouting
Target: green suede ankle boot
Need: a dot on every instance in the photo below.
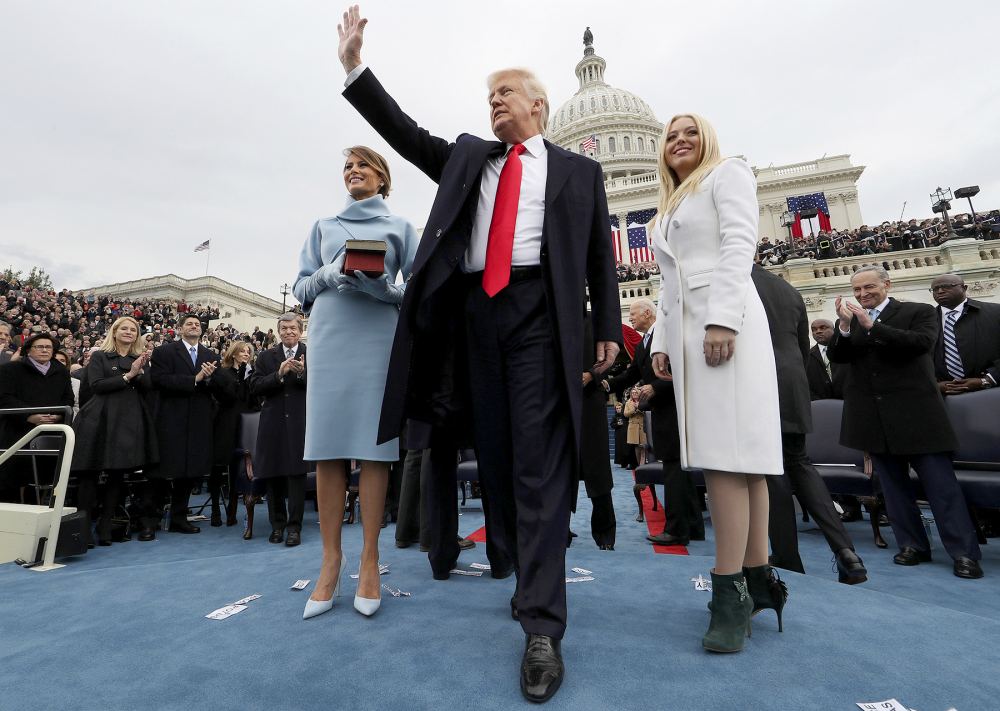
(731, 608)
(767, 590)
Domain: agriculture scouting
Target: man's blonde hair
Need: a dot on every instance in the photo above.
(532, 87)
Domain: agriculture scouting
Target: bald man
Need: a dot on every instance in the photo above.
(826, 379)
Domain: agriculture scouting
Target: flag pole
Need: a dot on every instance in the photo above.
(208, 256)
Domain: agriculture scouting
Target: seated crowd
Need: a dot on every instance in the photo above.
(886, 237)
(636, 271)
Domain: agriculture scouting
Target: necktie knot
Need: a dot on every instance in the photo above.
(517, 149)
(874, 313)
(952, 316)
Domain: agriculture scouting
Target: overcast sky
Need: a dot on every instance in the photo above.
(133, 130)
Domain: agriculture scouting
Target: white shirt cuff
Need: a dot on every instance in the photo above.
(845, 334)
(354, 74)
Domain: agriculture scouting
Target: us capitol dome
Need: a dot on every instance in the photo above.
(619, 130)
(624, 127)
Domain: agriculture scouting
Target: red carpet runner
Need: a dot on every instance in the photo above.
(654, 522)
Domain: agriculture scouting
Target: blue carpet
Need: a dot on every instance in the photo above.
(124, 628)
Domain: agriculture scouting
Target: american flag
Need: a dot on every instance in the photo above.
(803, 202)
(203, 246)
(638, 241)
(589, 144)
(616, 238)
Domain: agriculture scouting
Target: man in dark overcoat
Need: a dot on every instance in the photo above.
(894, 411)
(181, 372)
(974, 327)
(826, 378)
(787, 323)
(518, 228)
(683, 521)
(279, 379)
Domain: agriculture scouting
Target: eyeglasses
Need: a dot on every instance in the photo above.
(37, 347)
(943, 287)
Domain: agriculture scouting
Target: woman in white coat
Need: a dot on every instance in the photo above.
(717, 348)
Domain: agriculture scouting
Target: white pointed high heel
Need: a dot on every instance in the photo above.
(318, 607)
(365, 605)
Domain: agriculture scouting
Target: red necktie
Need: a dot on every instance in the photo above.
(500, 246)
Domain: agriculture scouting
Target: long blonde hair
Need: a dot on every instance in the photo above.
(137, 346)
(672, 190)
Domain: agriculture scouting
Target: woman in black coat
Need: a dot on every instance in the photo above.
(115, 432)
(234, 398)
(35, 380)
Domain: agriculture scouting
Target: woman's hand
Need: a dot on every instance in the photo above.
(660, 366)
(719, 345)
(137, 365)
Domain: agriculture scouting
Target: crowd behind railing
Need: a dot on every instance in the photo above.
(879, 239)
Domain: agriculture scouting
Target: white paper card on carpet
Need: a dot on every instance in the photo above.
(224, 612)
(887, 705)
(581, 579)
(300, 584)
(480, 566)
(702, 583)
(581, 571)
(473, 573)
(395, 592)
(248, 598)
(197, 517)
(383, 569)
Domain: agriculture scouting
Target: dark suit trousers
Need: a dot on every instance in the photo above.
(951, 514)
(524, 441)
(278, 488)
(681, 507)
(155, 491)
(439, 492)
(802, 479)
(412, 523)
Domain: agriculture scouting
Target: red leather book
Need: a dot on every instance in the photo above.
(366, 256)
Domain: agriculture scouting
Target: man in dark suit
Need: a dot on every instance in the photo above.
(893, 411)
(681, 506)
(518, 229)
(786, 320)
(181, 372)
(279, 378)
(4, 343)
(967, 352)
(826, 379)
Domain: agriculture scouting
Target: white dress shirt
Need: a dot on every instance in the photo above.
(530, 203)
(959, 310)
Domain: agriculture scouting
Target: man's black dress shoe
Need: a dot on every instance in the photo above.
(850, 568)
(665, 539)
(541, 668)
(405, 544)
(183, 527)
(466, 544)
(502, 573)
(911, 556)
(103, 542)
(968, 568)
(147, 534)
(294, 538)
(513, 609)
(276, 537)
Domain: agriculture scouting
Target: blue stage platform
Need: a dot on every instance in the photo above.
(124, 628)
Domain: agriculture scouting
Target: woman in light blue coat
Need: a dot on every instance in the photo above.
(352, 319)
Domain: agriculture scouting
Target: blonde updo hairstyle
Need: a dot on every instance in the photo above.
(379, 164)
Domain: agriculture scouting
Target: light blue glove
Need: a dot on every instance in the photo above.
(330, 274)
(379, 288)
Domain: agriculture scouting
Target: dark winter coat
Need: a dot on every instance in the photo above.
(115, 427)
(281, 436)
